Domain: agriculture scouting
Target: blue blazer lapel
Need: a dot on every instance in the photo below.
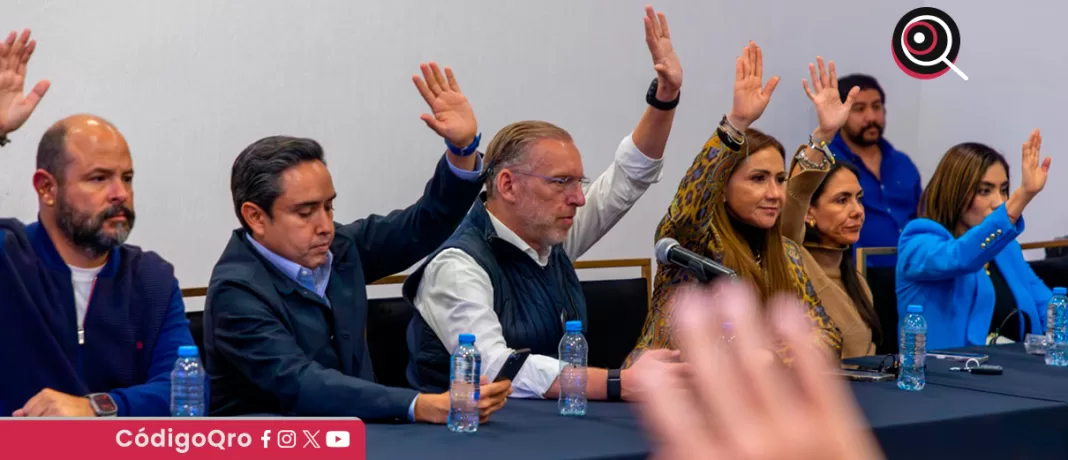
(345, 315)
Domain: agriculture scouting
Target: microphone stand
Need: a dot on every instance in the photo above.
(997, 332)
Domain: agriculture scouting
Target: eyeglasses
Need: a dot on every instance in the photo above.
(565, 183)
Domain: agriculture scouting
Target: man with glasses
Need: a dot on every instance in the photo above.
(506, 275)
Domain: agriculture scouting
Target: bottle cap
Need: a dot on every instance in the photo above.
(1060, 291)
(467, 338)
(915, 308)
(188, 351)
(573, 326)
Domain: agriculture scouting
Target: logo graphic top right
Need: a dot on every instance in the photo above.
(925, 43)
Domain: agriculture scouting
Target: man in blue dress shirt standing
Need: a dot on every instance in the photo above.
(890, 180)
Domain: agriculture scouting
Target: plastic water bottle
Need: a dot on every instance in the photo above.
(464, 386)
(573, 352)
(1057, 329)
(913, 343)
(188, 381)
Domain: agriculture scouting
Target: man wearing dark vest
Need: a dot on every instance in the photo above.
(89, 326)
(287, 304)
(506, 275)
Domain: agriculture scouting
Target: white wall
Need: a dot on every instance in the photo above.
(192, 83)
(1015, 63)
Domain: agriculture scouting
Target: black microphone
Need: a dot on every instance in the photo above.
(669, 251)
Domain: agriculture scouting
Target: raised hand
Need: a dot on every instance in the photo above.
(751, 95)
(665, 61)
(830, 110)
(452, 116)
(1034, 174)
(733, 403)
(15, 107)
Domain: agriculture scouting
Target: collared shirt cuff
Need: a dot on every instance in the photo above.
(463, 174)
(411, 409)
(535, 377)
(637, 165)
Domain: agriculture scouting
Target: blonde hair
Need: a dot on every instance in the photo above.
(511, 144)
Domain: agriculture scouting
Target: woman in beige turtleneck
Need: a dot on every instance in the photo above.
(823, 213)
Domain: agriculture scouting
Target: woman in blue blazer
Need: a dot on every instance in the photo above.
(960, 259)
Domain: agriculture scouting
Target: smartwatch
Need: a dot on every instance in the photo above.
(650, 97)
(615, 387)
(103, 405)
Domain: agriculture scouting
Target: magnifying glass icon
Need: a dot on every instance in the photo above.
(944, 57)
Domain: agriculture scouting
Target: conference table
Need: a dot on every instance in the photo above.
(1022, 413)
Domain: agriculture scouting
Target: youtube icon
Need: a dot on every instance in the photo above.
(337, 439)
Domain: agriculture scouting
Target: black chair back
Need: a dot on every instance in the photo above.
(196, 328)
(387, 328)
(881, 280)
(617, 310)
(1052, 271)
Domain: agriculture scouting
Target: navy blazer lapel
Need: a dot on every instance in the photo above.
(343, 305)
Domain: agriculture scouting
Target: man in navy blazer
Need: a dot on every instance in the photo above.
(89, 326)
(286, 309)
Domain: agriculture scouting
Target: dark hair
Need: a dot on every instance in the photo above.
(847, 83)
(52, 151)
(848, 269)
(256, 171)
(955, 181)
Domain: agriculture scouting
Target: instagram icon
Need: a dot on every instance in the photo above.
(287, 439)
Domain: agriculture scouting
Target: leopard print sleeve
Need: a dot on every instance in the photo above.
(688, 216)
(825, 332)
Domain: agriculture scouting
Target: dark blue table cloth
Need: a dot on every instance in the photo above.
(1024, 375)
(938, 422)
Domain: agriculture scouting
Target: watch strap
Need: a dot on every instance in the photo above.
(102, 404)
(465, 151)
(615, 385)
(650, 98)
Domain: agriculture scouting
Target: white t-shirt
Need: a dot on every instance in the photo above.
(83, 279)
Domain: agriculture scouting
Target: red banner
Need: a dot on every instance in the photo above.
(186, 438)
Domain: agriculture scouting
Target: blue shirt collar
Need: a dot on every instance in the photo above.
(314, 280)
(840, 147)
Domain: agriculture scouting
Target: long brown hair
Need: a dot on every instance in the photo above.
(773, 275)
(955, 181)
(848, 268)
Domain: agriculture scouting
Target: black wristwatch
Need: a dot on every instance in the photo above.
(103, 405)
(650, 97)
(615, 387)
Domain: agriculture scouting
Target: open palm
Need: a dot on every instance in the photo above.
(1034, 173)
(453, 118)
(15, 107)
(665, 60)
(830, 110)
(751, 95)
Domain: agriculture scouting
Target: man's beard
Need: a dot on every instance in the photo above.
(859, 139)
(87, 232)
(538, 223)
